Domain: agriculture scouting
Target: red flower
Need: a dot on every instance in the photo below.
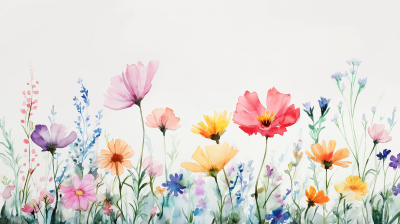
(253, 118)
(107, 209)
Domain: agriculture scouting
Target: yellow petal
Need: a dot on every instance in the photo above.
(194, 168)
(202, 159)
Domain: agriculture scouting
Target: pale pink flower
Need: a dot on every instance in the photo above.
(164, 119)
(46, 197)
(25, 150)
(51, 179)
(23, 178)
(80, 194)
(33, 151)
(7, 192)
(32, 206)
(36, 92)
(130, 88)
(24, 164)
(154, 168)
(22, 121)
(378, 133)
(26, 141)
(38, 164)
(42, 179)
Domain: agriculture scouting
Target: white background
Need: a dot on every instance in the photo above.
(210, 53)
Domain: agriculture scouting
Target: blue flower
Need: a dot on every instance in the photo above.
(338, 76)
(174, 186)
(373, 109)
(396, 190)
(384, 154)
(353, 62)
(323, 104)
(362, 83)
(278, 216)
(197, 212)
(241, 167)
(287, 193)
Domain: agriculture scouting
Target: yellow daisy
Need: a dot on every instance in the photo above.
(215, 126)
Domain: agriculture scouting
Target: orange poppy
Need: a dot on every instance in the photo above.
(316, 198)
(160, 190)
(116, 158)
(326, 157)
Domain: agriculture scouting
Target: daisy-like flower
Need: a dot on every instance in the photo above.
(130, 88)
(316, 198)
(79, 195)
(217, 157)
(214, 127)
(353, 188)
(116, 159)
(252, 117)
(327, 157)
(164, 119)
(174, 185)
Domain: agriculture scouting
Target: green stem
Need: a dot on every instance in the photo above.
(337, 210)
(305, 214)
(120, 196)
(229, 187)
(220, 196)
(365, 166)
(258, 177)
(326, 181)
(141, 155)
(53, 215)
(165, 164)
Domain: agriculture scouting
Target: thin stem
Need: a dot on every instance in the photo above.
(258, 177)
(220, 196)
(120, 195)
(368, 160)
(326, 181)
(305, 214)
(165, 164)
(384, 177)
(337, 210)
(141, 155)
(53, 215)
(229, 187)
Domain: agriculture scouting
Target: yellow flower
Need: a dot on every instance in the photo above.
(353, 188)
(215, 126)
(217, 157)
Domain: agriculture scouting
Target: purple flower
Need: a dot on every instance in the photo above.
(58, 139)
(323, 104)
(362, 82)
(308, 107)
(174, 186)
(353, 62)
(278, 216)
(383, 155)
(337, 76)
(269, 171)
(396, 190)
(395, 161)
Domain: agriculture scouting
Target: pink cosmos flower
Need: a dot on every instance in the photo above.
(154, 168)
(32, 206)
(80, 194)
(107, 209)
(7, 192)
(163, 119)
(379, 134)
(130, 88)
(252, 117)
(46, 197)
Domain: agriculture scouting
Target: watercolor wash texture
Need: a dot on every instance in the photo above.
(117, 184)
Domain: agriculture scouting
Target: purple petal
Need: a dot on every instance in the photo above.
(67, 140)
(58, 131)
(41, 136)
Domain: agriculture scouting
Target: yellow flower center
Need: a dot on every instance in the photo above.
(353, 188)
(266, 119)
(79, 193)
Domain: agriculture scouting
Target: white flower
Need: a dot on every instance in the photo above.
(335, 118)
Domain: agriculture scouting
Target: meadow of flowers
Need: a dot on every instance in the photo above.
(122, 183)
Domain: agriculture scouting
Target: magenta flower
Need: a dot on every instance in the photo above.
(379, 134)
(58, 139)
(80, 194)
(269, 171)
(130, 88)
(7, 192)
(32, 206)
(154, 168)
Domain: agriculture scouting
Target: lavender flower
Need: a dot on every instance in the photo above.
(373, 109)
(353, 62)
(395, 162)
(338, 76)
(269, 171)
(396, 190)
(364, 118)
(174, 185)
(362, 83)
(278, 216)
(58, 139)
(308, 107)
(343, 86)
(323, 104)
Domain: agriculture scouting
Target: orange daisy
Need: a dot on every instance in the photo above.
(116, 158)
(326, 157)
(160, 190)
(316, 198)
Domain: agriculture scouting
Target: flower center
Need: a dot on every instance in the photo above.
(266, 119)
(353, 188)
(79, 192)
(327, 164)
(117, 158)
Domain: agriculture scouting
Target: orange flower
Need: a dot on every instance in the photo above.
(115, 159)
(326, 157)
(217, 157)
(318, 198)
(160, 190)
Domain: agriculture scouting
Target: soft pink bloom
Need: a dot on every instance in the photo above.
(252, 117)
(23, 93)
(379, 134)
(164, 119)
(107, 209)
(130, 88)
(46, 197)
(36, 92)
(28, 105)
(51, 179)
(7, 192)
(23, 111)
(33, 86)
(38, 164)
(154, 168)
(23, 178)
(42, 179)
(21, 171)
(80, 194)
(24, 164)
(22, 121)
(29, 92)
(37, 82)
(26, 141)
(25, 150)
(202, 204)
(269, 171)
(33, 151)
(154, 210)
(32, 206)
(36, 155)
(33, 159)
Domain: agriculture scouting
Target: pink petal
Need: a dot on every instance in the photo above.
(42, 179)
(277, 102)
(22, 121)
(151, 71)
(247, 110)
(7, 192)
(83, 203)
(115, 104)
(76, 182)
(70, 202)
(23, 111)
